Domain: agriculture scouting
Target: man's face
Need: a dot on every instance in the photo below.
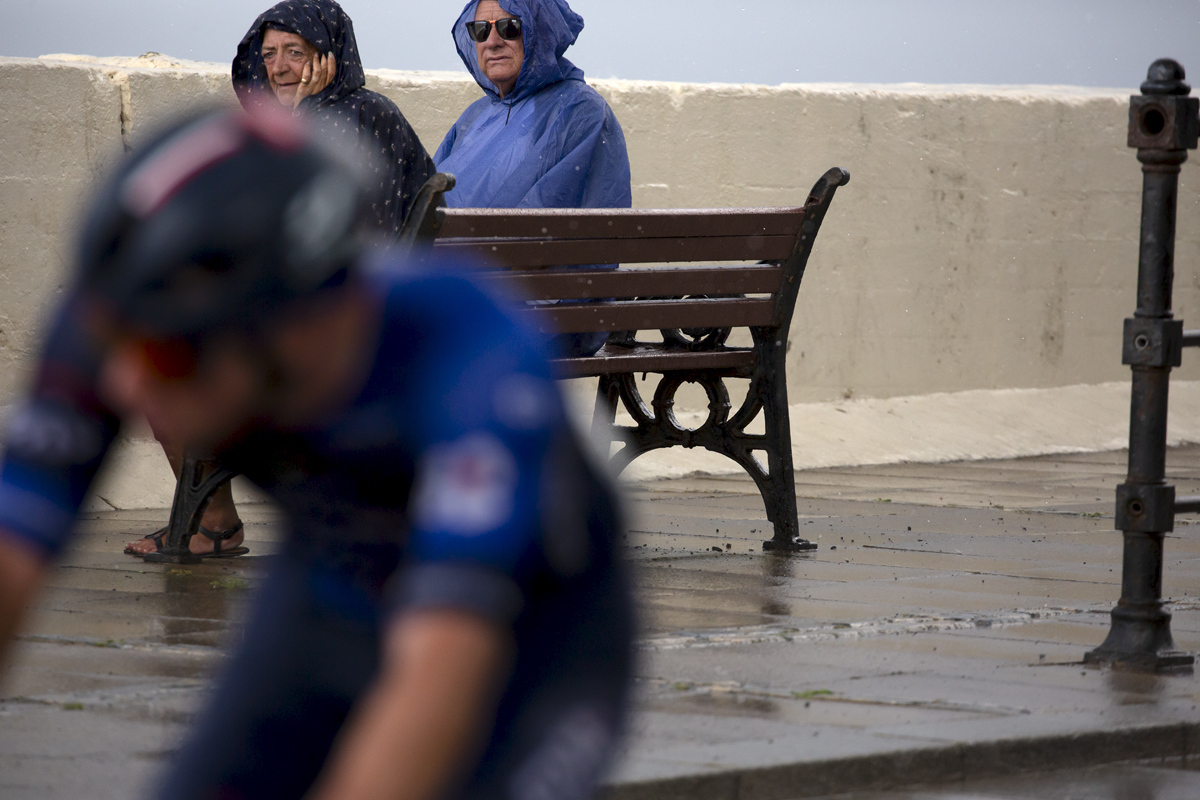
(205, 403)
(285, 55)
(499, 59)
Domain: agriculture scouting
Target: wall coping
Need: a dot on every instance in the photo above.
(1027, 92)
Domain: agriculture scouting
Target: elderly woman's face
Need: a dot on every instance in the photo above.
(499, 59)
(285, 55)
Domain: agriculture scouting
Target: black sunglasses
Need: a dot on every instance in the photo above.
(507, 28)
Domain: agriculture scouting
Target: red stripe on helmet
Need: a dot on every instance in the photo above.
(179, 160)
(274, 126)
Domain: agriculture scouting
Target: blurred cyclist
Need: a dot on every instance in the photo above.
(448, 617)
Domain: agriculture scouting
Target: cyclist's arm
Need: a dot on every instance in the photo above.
(429, 711)
(21, 570)
(474, 513)
(53, 443)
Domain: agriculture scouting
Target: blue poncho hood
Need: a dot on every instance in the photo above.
(551, 143)
(550, 27)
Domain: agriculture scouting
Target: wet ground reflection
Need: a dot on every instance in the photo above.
(908, 638)
(1136, 687)
(196, 608)
(1160, 781)
(777, 571)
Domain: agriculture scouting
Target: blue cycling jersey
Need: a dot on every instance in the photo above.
(451, 481)
(440, 459)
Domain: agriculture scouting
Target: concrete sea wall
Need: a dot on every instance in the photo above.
(987, 240)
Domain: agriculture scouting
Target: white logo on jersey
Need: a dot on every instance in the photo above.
(53, 435)
(466, 486)
(524, 402)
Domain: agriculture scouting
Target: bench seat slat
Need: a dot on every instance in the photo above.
(648, 315)
(618, 223)
(613, 360)
(527, 253)
(645, 282)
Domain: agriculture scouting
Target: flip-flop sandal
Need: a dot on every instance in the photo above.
(220, 536)
(159, 539)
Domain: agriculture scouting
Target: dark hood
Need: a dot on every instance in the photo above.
(549, 28)
(321, 22)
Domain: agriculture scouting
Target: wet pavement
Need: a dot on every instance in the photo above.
(934, 638)
(1172, 781)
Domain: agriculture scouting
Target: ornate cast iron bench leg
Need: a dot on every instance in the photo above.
(193, 490)
(779, 488)
(656, 427)
(605, 414)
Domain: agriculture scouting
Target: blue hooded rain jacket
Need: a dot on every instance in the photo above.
(552, 143)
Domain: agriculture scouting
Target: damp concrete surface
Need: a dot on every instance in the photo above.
(931, 646)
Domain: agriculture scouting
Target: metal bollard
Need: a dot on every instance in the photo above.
(1163, 125)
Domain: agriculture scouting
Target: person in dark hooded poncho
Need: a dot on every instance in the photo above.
(344, 107)
(543, 140)
(341, 108)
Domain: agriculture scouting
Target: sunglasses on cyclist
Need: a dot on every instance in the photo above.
(508, 29)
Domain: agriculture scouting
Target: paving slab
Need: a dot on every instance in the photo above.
(935, 638)
(1152, 780)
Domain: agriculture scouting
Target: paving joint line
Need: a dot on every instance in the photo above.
(121, 644)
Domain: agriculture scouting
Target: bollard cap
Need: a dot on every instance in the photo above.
(1165, 77)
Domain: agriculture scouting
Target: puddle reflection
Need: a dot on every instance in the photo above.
(198, 605)
(778, 571)
(1132, 687)
(1135, 787)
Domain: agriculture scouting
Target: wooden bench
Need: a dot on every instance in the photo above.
(525, 253)
(689, 310)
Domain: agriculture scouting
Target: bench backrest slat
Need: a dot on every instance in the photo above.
(639, 360)
(653, 314)
(642, 282)
(623, 223)
(527, 254)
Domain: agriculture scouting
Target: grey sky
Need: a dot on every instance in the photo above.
(1082, 42)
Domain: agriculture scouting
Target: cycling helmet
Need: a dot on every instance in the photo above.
(223, 218)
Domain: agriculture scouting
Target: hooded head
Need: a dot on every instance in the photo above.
(324, 24)
(549, 27)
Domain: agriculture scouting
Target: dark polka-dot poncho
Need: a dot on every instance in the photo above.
(344, 109)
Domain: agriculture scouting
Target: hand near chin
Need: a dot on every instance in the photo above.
(315, 77)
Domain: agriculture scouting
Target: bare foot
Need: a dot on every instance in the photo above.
(199, 545)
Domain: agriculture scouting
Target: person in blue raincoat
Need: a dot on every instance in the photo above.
(544, 139)
(539, 137)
